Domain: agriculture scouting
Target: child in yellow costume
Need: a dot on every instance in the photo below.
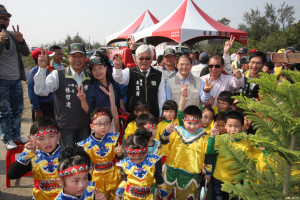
(40, 156)
(224, 103)
(222, 172)
(149, 122)
(187, 146)
(207, 120)
(102, 148)
(169, 112)
(73, 170)
(139, 108)
(139, 169)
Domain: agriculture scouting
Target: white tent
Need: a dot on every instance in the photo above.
(188, 24)
(142, 22)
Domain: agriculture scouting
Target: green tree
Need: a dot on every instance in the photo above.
(273, 42)
(255, 25)
(277, 119)
(224, 21)
(286, 16)
(292, 36)
(270, 14)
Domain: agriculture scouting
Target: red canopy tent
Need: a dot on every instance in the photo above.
(144, 21)
(188, 24)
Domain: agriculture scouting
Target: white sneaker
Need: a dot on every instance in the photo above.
(10, 145)
(22, 140)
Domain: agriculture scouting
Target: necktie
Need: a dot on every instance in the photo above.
(145, 73)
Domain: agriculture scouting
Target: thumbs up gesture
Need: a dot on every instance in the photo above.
(119, 150)
(236, 73)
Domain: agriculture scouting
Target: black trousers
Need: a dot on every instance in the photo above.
(217, 193)
(47, 108)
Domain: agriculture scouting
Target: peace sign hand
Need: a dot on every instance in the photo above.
(131, 43)
(184, 89)
(117, 60)
(31, 144)
(17, 34)
(43, 60)
(108, 93)
(208, 85)
(228, 45)
(81, 94)
(170, 128)
(214, 131)
(118, 149)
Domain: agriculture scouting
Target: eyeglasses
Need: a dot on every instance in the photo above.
(144, 58)
(102, 124)
(4, 18)
(217, 66)
(253, 63)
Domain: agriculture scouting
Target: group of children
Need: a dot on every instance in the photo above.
(165, 160)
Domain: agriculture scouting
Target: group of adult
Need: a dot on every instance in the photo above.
(76, 93)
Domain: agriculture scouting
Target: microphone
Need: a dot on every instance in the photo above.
(6, 44)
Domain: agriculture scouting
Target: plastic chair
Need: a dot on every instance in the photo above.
(10, 159)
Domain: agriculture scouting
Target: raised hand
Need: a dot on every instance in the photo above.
(170, 127)
(17, 34)
(184, 89)
(131, 43)
(98, 195)
(117, 60)
(43, 60)
(208, 85)
(31, 144)
(81, 94)
(236, 73)
(214, 131)
(118, 149)
(228, 45)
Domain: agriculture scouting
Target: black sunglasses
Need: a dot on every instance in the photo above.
(217, 66)
(4, 18)
(144, 58)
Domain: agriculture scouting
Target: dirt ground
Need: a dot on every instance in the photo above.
(23, 189)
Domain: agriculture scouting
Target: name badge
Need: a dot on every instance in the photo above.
(153, 83)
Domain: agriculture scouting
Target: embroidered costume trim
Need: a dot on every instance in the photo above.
(46, 130)
(136, 151)
(73, 170)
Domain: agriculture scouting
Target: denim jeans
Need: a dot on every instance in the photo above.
(11, 108)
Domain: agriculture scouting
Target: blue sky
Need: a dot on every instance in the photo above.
(47, 21)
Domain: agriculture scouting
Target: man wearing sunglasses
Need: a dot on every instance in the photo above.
(145, 84)
(220, 81)
(12, 46)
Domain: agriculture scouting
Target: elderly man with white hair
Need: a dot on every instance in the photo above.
(145, 84)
